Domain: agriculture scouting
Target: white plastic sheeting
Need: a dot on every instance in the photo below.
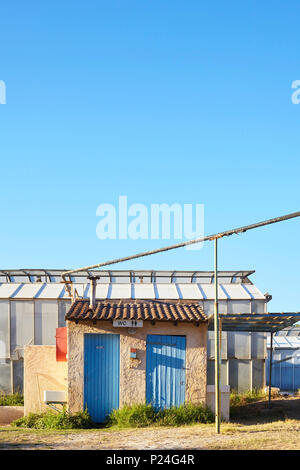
(239, 306)
(240, 375)
(21, 326)
(32, 291)
(166, 291)
(46, 321)
(189, 291)
(259, 346)
(243, 356)
(142, 291)
(284, 342)
(5, 376)
(254, 292)
(4, 329)
(114, 290)
(7, 290)
(239, 344)
(51, 291)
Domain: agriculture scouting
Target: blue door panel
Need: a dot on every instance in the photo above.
(165, 370)
(101, 374)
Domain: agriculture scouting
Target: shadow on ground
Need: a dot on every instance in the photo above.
(24, 446)
(259, 412)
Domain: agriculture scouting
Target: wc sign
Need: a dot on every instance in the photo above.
(128, 323)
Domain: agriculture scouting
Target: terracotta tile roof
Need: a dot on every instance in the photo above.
(160, 310)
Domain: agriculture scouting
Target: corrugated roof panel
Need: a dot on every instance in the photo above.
(51, 291)
(28, 291)
(119, 291)
(79, 289)
(189, 291)
(209, 292)
(236, 292)
(166, 291)
(7, 290)
(256, 293)
(136, 290)
(101, 291)
(257, 321)
(284, 342)
(86, 290)
(293, 331)
(144, 291)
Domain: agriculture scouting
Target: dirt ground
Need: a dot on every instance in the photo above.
(255, 427)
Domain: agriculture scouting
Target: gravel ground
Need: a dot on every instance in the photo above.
(259, 428)
(187, 437)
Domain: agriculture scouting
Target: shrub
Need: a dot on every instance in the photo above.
(185, 414)
(11, 400)
(132, 416)
(145, 415)
(52, 420)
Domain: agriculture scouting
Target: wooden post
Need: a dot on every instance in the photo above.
(217, 346)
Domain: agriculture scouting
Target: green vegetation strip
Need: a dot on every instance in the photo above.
(134, 416)
(129, 416)
(251, 396)
(145, 415)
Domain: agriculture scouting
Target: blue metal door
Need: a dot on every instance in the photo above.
(165, 371)
(101, 374)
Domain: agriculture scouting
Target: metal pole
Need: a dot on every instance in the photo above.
(217, 345)
(182, 244)
(270, 368)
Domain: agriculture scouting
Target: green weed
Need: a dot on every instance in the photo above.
(52, 420)
(251, 396)
(142, 415)
(11, 400)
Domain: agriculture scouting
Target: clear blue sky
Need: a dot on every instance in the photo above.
(162, 101)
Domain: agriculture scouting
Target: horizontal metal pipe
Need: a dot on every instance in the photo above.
(227, 233)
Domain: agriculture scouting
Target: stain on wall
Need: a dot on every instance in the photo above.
(42, 372)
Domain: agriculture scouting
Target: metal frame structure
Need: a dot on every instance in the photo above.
(257, 322)
(31, 275)
(227, 233)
